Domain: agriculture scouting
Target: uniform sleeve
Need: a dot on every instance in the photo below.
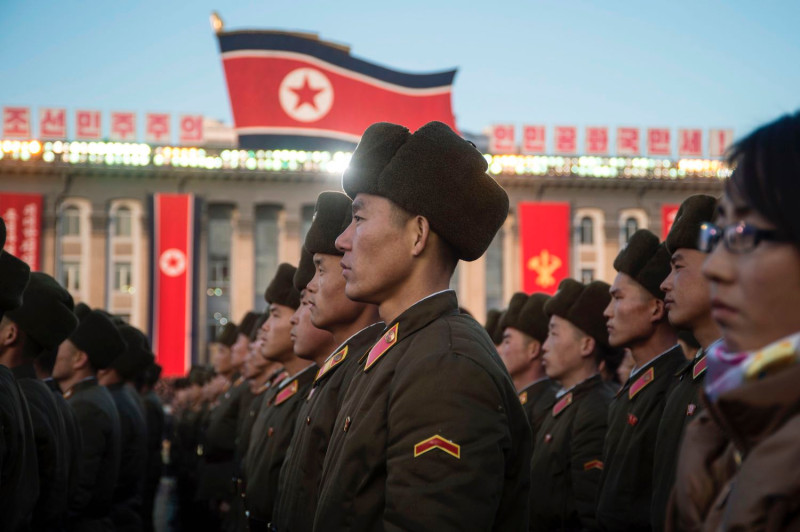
(588, 437)
(457, 484)
(94, 444)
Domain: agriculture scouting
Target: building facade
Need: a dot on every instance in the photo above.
(256, 207)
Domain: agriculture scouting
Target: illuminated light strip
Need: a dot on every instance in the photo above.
(246, 54)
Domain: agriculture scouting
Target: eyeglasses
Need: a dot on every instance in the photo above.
(738, 238)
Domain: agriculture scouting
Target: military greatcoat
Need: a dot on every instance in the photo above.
(431, 434)
(302, 469)
(100, 455)
(682, 406)
(269, 441)
(537, 399)
(626, 487)
(568, 458)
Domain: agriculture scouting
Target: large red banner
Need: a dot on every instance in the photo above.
(23, 216)
(668, 213)
(173, 277)
(289, 85)
(544, 234)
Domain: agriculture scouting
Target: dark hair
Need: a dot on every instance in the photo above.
(766, 173)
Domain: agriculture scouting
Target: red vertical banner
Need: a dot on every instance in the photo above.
(23, 216)
(544, 232)
(668, 213)
(173, 277)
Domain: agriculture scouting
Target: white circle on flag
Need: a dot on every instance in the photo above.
(172, 262)
(306, 94)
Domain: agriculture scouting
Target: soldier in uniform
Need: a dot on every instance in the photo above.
(274, 423)
(186, 441)
(688, 302)
(19, 488)
(431, 434)
(93, 345)
(154, 416)
(43, 321)
(355, 327)
(637, 319)
(524, 331)
(568, 449)
(127, 500)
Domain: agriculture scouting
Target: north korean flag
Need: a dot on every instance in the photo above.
(294, 91)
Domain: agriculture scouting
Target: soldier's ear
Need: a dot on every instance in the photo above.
(421, 228)
(9, 332)
(534, 349)
(587, 346)
(659, 310)
(80, 359)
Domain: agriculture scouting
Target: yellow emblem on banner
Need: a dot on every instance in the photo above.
(545, 265)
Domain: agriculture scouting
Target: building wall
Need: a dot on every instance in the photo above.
(98, 192)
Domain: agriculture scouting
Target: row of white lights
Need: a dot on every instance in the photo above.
(133, 154)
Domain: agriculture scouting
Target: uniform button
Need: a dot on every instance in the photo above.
(346, 423)
(308, 420)
(270, 432)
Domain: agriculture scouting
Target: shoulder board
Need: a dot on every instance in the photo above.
(332, 362)
(384, 344)
(640, 384)
(287, 392)
(699, 367)
(523, 398)
(562, 404)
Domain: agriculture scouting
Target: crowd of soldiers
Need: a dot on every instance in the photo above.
(364, 398)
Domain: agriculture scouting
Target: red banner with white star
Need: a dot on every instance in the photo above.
(544, 238)
(172, 297)
(293, 91)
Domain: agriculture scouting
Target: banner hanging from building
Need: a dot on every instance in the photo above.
(23, 216)
(297, 92)
(172, 273)
(668, 214)
(544, 233)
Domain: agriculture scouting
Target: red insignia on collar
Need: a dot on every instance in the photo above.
(632, 420)
(523, 398)
(593, 464)
(641, 382)
(699, 367)
(286, 393)
(383, 345)
(562, 404)
(437, 442)
(333, 361)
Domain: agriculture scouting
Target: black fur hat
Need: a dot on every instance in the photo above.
(583, 306)
(645, 260)
(332, 215)
(433, 173)
(694, 212)
(99, 338)
(281, 289)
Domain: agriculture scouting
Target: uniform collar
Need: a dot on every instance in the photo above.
(637, 371)
(414, 318)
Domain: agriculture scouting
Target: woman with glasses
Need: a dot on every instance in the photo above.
(739, 462)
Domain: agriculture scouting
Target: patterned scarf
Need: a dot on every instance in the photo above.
(728, 370)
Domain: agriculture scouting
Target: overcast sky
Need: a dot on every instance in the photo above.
(700, 63)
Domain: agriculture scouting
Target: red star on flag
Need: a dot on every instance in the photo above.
(306, 94)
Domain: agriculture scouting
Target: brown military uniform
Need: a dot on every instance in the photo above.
(269, 441)
(536, 399)
(301, 472)
(431, 434)
(627, 483)
(683, 406)
(567, 458)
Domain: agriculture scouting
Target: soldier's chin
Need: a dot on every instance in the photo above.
(357, 293)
